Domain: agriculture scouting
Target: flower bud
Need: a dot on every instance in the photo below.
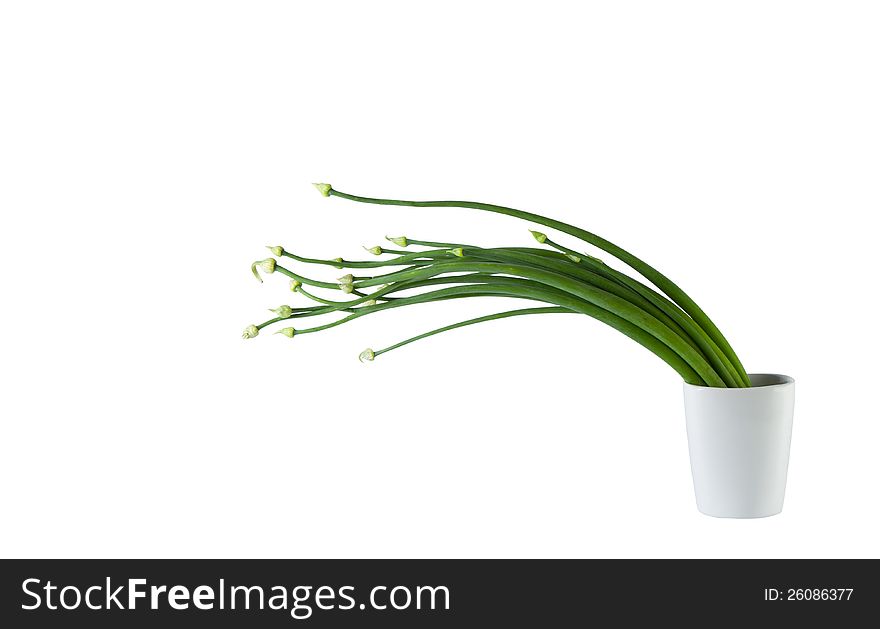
(277, 251)
(340, 261)
(400, 241)
(284, 312)
(250, 332)
(366, 355)
(572, 257)
(376, 251)
(288, 332)
(323, 188)
(458, 251)
(541, 238)
(345, 279)
(268, 266)
(294, 285)
(346, 288)
(369, 302)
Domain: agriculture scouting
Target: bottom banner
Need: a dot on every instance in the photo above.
(428, 593)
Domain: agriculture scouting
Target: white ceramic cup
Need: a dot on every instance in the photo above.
(739, 441)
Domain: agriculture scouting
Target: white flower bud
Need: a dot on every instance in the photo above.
(346, 288)
(268, 266)
(250, 332)
(288, 332)
(339, 260)
(366, 355)
(294, 285)
(345, 279)
(323, 188)
(369, 302)
(276, 251)
(400, 241)
(572, 257)
(541, 238)
(283, 312)
(376, 251)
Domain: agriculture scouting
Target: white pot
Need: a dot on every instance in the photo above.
(739, 442)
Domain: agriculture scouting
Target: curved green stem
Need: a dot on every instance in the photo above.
(571, 269)
(653, 275)
(505, 287)
(601, 298)
(262, 325)
(461, 324)
(601, 275)
(411, 257)
(305, 280)
(560, 298)
(439, 245)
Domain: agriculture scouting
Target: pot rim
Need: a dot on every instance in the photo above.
(773, 381)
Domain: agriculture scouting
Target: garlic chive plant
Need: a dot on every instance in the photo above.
(664, 319)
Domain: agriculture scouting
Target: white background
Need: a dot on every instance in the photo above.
(149, 151)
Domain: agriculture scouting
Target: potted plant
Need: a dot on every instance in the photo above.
(738, 424)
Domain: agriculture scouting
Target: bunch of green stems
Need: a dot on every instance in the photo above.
(662, 319)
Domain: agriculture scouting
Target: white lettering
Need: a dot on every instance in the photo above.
(202, 594)
(175, 594)
(134, 593)
(24, 587)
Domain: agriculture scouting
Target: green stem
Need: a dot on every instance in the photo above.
(430, 243)
(567, 267)
(262, 325)
(410, 257)
(600, 274)
(560, 298)
(492, 317)
(305, 280)
(653, 275)
(602, 299)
